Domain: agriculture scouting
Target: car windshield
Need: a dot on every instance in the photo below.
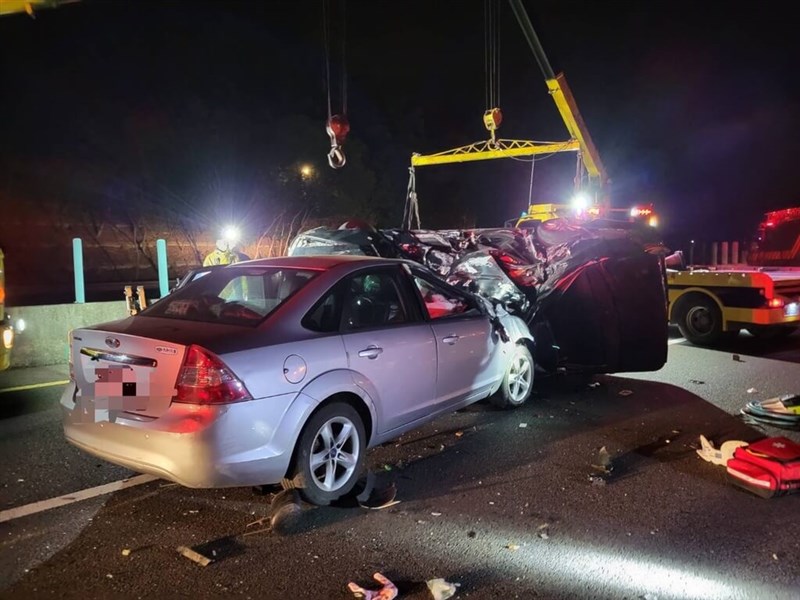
(232, 295)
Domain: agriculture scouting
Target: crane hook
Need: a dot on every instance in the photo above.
(337, 128)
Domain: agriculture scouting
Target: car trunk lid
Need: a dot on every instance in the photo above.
(123, 372)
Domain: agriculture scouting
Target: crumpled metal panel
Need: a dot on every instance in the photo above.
(596, 288)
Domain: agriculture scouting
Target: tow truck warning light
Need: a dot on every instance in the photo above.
(775, 303)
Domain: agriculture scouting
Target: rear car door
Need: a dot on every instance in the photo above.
(390, 348)
(469, 355)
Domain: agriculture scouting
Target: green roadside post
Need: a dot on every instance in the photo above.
(77, 264)
(163, 279)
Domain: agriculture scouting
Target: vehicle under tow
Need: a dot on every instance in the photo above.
(593, 294)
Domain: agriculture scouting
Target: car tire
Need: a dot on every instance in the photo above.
(517, 382)
(699, 320)
(332, 433)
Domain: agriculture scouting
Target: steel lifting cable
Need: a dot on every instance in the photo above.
(579, 173)
(337, 125)
(492, 116)
(411, 209)
(491, 40)
(530, 188)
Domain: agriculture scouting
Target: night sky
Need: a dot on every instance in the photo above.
(693, 106)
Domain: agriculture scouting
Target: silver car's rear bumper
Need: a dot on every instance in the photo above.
(242, 444)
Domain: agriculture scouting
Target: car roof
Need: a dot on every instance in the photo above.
(318, 262)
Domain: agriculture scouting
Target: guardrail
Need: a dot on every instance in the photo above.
(727, 253)
(44, 340)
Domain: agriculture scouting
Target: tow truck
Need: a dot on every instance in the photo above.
(712, 304)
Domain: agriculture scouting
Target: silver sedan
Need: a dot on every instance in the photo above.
(287, 368)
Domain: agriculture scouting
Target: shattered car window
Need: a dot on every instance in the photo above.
(439, 304)
(234, 296)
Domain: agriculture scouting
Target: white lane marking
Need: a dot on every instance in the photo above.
(33, 386)
(676, 341)
(100, 490)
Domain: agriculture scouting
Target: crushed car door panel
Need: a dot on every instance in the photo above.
(469, 355)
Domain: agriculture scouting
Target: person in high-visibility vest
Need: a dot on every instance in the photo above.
(221, 255)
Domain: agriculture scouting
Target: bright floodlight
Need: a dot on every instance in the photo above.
(580, 202)
(230, 234)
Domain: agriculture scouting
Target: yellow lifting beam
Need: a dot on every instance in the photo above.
(9, 7)
(487, 150)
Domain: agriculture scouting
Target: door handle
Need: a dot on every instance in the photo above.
(372, 352)
(451, 339)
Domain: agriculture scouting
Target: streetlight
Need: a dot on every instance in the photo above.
(306, 171)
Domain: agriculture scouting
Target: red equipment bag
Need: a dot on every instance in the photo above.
(768, 467)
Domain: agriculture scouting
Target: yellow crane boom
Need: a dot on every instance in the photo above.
(580, 140)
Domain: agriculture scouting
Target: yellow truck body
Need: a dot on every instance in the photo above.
(709, 305)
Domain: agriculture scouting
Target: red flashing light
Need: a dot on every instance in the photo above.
(205, 379)
(775, 303)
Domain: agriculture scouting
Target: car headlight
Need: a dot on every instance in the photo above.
(792, 309)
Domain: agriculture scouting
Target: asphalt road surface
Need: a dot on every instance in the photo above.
(499, 502)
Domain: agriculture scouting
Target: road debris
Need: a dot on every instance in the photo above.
(286, 510)
(512, 547)
(126, 552)
(720, 456)
(596, 480)
(436, 514)
(441, 589)
(781, 411)
(603, 462)
(752, 390)
(523, 425)
(737, 358)
(388, 590)
(377, 499)
(459, 434)
(697, 381)
(625, 392)
(201, 560)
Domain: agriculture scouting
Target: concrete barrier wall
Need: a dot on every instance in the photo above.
(44, 341)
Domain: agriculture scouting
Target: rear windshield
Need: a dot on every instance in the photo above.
(231, 295)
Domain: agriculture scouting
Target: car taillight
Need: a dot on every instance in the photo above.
(205, 379)
(775, 303)
(8, 337)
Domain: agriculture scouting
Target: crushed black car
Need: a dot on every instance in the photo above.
(592, 293)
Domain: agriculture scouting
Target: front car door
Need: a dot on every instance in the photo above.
(469, 354)
(390, 348)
